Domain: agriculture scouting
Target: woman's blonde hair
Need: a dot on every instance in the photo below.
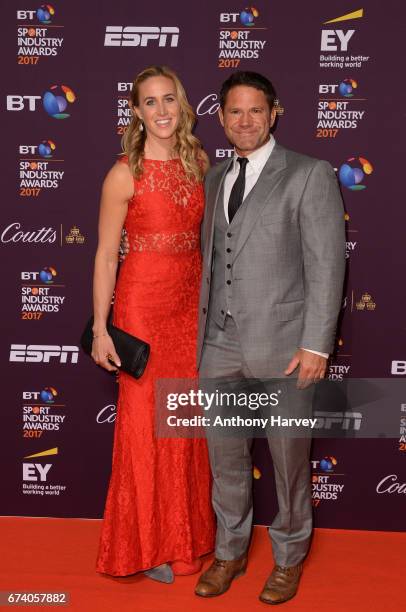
(187, 146)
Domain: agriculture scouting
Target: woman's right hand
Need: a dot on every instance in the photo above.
(102, 349)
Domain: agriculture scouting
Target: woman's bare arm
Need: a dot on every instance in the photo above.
(118, 189)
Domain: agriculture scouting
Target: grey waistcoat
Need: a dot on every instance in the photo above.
(225, 237)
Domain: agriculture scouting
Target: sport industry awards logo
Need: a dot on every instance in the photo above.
(326, 485)
(41, 294)
(123, 111)
(39, 168)
(240, 37)
(42, 412)
(338, 108)
(35, 40)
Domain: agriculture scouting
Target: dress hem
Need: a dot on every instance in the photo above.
(148, 567)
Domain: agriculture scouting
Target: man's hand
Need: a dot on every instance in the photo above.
(312, 368)
(124, 246)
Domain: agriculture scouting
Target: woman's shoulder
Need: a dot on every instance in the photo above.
(203, 161)
(121, 167)
(120, 178)
(123, 159)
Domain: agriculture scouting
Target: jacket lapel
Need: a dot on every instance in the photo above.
(261, 193)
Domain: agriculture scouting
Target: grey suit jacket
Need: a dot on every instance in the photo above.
(289, 262)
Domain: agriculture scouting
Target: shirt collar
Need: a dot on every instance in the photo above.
(258, 158)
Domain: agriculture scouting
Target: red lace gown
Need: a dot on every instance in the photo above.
(158, 506)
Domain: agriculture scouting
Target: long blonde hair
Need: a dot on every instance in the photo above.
(187, 146)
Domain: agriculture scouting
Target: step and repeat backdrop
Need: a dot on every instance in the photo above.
(67, 73)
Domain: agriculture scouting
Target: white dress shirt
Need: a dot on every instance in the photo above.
(256, 163)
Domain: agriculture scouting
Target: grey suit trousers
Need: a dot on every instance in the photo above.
(231, 464)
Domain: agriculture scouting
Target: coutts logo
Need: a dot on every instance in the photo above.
(390, 485)
(14, 233)
(107, 414)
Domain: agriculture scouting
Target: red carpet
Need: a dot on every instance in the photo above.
(346, 571)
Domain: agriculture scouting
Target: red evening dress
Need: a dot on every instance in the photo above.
(158, 506)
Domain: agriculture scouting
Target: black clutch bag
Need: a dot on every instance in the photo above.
(132, 351)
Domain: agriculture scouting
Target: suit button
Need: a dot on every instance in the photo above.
(228, 282)
(228, 250)
(204, 310)
(222, 312)
(229, 235)
(228, 266)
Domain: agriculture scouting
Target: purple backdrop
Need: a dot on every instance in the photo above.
(342, 101)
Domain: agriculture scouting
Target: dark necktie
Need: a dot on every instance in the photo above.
(237, 192)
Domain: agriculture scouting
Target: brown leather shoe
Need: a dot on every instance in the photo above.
(282, 584)
(218, 578)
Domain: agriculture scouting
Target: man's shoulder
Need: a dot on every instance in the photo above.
(217, 170)
(294, 159)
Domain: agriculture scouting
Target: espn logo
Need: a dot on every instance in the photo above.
(133, 36)
(42, 353)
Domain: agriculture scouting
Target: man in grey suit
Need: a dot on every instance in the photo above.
(273, 268)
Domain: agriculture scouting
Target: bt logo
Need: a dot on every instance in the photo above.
(326, 464)
(224, 153)
(46, 275)
(353, 172)
(47, 395)
(45, 149)
(133, 36)
(124, 86)
(44, 14)
(18, 103)
(55, 101)
(246, 17)
(345, 88)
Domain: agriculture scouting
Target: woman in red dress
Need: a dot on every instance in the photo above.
(158, 516)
